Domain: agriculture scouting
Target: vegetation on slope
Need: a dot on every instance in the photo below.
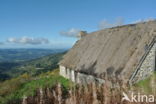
(147, 85)
(20, 79)
(25, 85)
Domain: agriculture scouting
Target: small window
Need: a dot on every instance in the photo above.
(66, 70)
(146, 47)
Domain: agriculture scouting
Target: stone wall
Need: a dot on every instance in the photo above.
(83, 78)
(62, 71)
(79, 77)
(147, 67)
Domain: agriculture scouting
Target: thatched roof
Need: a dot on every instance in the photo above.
(116, 50)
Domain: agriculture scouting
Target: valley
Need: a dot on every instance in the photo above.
(43, 62)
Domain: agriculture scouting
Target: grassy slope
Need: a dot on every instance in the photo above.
(147, 85)
(25, 85)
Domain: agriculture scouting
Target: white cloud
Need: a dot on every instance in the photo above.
(28, 40)
(105, 24)
(144, 20)
(71, 32)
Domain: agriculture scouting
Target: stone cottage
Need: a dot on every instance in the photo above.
(127, 52)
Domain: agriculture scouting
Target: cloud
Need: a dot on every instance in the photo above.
(144, 20)
(105, 24)
(28, 40)
(71, 32)
(1, 43)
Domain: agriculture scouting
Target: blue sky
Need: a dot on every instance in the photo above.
(24, 21)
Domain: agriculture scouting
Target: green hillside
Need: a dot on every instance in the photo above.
(33, 67)
(148, 85)
(24, 78)
(25, 85)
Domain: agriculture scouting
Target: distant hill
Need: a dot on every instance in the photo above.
(19, 55)
(37, 66)
(32, 67)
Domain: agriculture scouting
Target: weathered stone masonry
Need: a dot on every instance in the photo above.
(147, 67)
(78, 77)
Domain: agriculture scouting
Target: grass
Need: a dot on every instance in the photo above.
(25, 85)
(48, 79)
(28, 89)
(147, 85)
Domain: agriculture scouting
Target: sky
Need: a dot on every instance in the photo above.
(55, 23)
